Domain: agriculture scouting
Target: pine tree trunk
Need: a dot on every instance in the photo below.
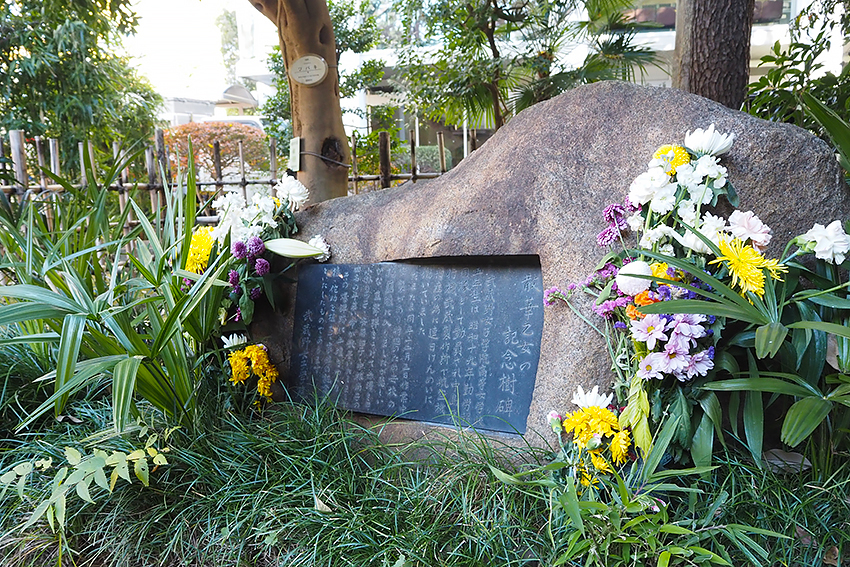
(304, 28)
(712, 57)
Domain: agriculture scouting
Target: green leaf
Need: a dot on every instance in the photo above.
(73, 327)
(20, 312)
(73, 456)
(838, 129)
(291, 248)
(674, 529)
(803, 418)
(141, 470)
(36, 338)
(123, 385)
(754, 424)
(42, 296)
(758, 385)
(703, 442)
(664, 559)
(570, 503)
(82, 488)
(833, 328)
(504, 477)
(659, 447)
(769, 338)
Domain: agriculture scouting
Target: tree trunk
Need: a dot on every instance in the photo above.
(304, 28)
(712, 57)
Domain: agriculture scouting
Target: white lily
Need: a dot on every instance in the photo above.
(708, 142)
(234, 341)
(592, 398)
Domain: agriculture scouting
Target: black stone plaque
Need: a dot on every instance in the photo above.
(443, 340)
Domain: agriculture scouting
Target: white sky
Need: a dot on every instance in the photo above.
(178, 46)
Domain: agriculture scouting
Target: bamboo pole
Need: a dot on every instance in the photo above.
(19, 160)
(384, 154)
(122, 191)
(54, 155)
(273, 165)
(242, 172)
(39, 154)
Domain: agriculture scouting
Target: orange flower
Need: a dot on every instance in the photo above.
(633, 312)
(643, 299)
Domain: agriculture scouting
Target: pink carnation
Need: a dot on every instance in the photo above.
(748, 226)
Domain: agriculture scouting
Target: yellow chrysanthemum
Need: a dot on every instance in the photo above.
(673, 155)
(745, 264)
(199, 250)
(240, 368)
(587, 422)
(600, 463)
(659, 270)
(620, 446)
(253, 358)
(587, 479)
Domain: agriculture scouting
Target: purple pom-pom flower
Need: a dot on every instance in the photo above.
(256, 246)
(233, 278)
(255, 293)
(262, 266)
(239, 250)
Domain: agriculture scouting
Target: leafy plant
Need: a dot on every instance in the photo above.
(621, 520)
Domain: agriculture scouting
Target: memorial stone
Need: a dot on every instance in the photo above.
(443, 341)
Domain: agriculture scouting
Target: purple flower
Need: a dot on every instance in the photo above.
(630, 206)
(233, 278)
(649, 330)
(698, 365)
(239, 250)
(551, 294)
(650, 366)
(256, 246)
(615, 215)
(262, 266)
(238, 316)
(664, 293)
(255, 293)
(608, 236)
(620, 325)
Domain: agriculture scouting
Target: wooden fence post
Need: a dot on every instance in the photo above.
(162, 158)
(83, 180)
(19, 159)
(412, 157)
(473, 140)
(150, 163)
(441, 149)
(354, 159)
(384, 153)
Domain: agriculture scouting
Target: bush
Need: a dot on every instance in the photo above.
(204, 134)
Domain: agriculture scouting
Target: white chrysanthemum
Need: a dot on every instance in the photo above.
(655, 235)
(709, 166)
(319, 242)
(292, 192)
(645, 185)
(687, 211)
(234, 341)
(829, 243)
(700, 194)
(264, 208)
(630, 285)
(592, 398)
(711, 227)
(703, 142)
(686, 175)
(635, 221)
(667, 249)
(664, 199)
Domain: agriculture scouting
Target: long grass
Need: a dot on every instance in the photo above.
(811, 508)
(298, 485)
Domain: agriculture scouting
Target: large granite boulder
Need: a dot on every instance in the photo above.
(539, 187)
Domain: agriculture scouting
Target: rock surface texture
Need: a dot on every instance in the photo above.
(539, 187)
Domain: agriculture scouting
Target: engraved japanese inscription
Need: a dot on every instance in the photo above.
(442, 340)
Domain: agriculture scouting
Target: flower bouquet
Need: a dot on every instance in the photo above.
(693, 306)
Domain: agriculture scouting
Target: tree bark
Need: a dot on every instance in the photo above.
(304, 27)
(712, 57)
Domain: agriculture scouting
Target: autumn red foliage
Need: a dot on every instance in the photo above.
(204, 134)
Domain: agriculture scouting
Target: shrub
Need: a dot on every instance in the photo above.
(205, 134)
